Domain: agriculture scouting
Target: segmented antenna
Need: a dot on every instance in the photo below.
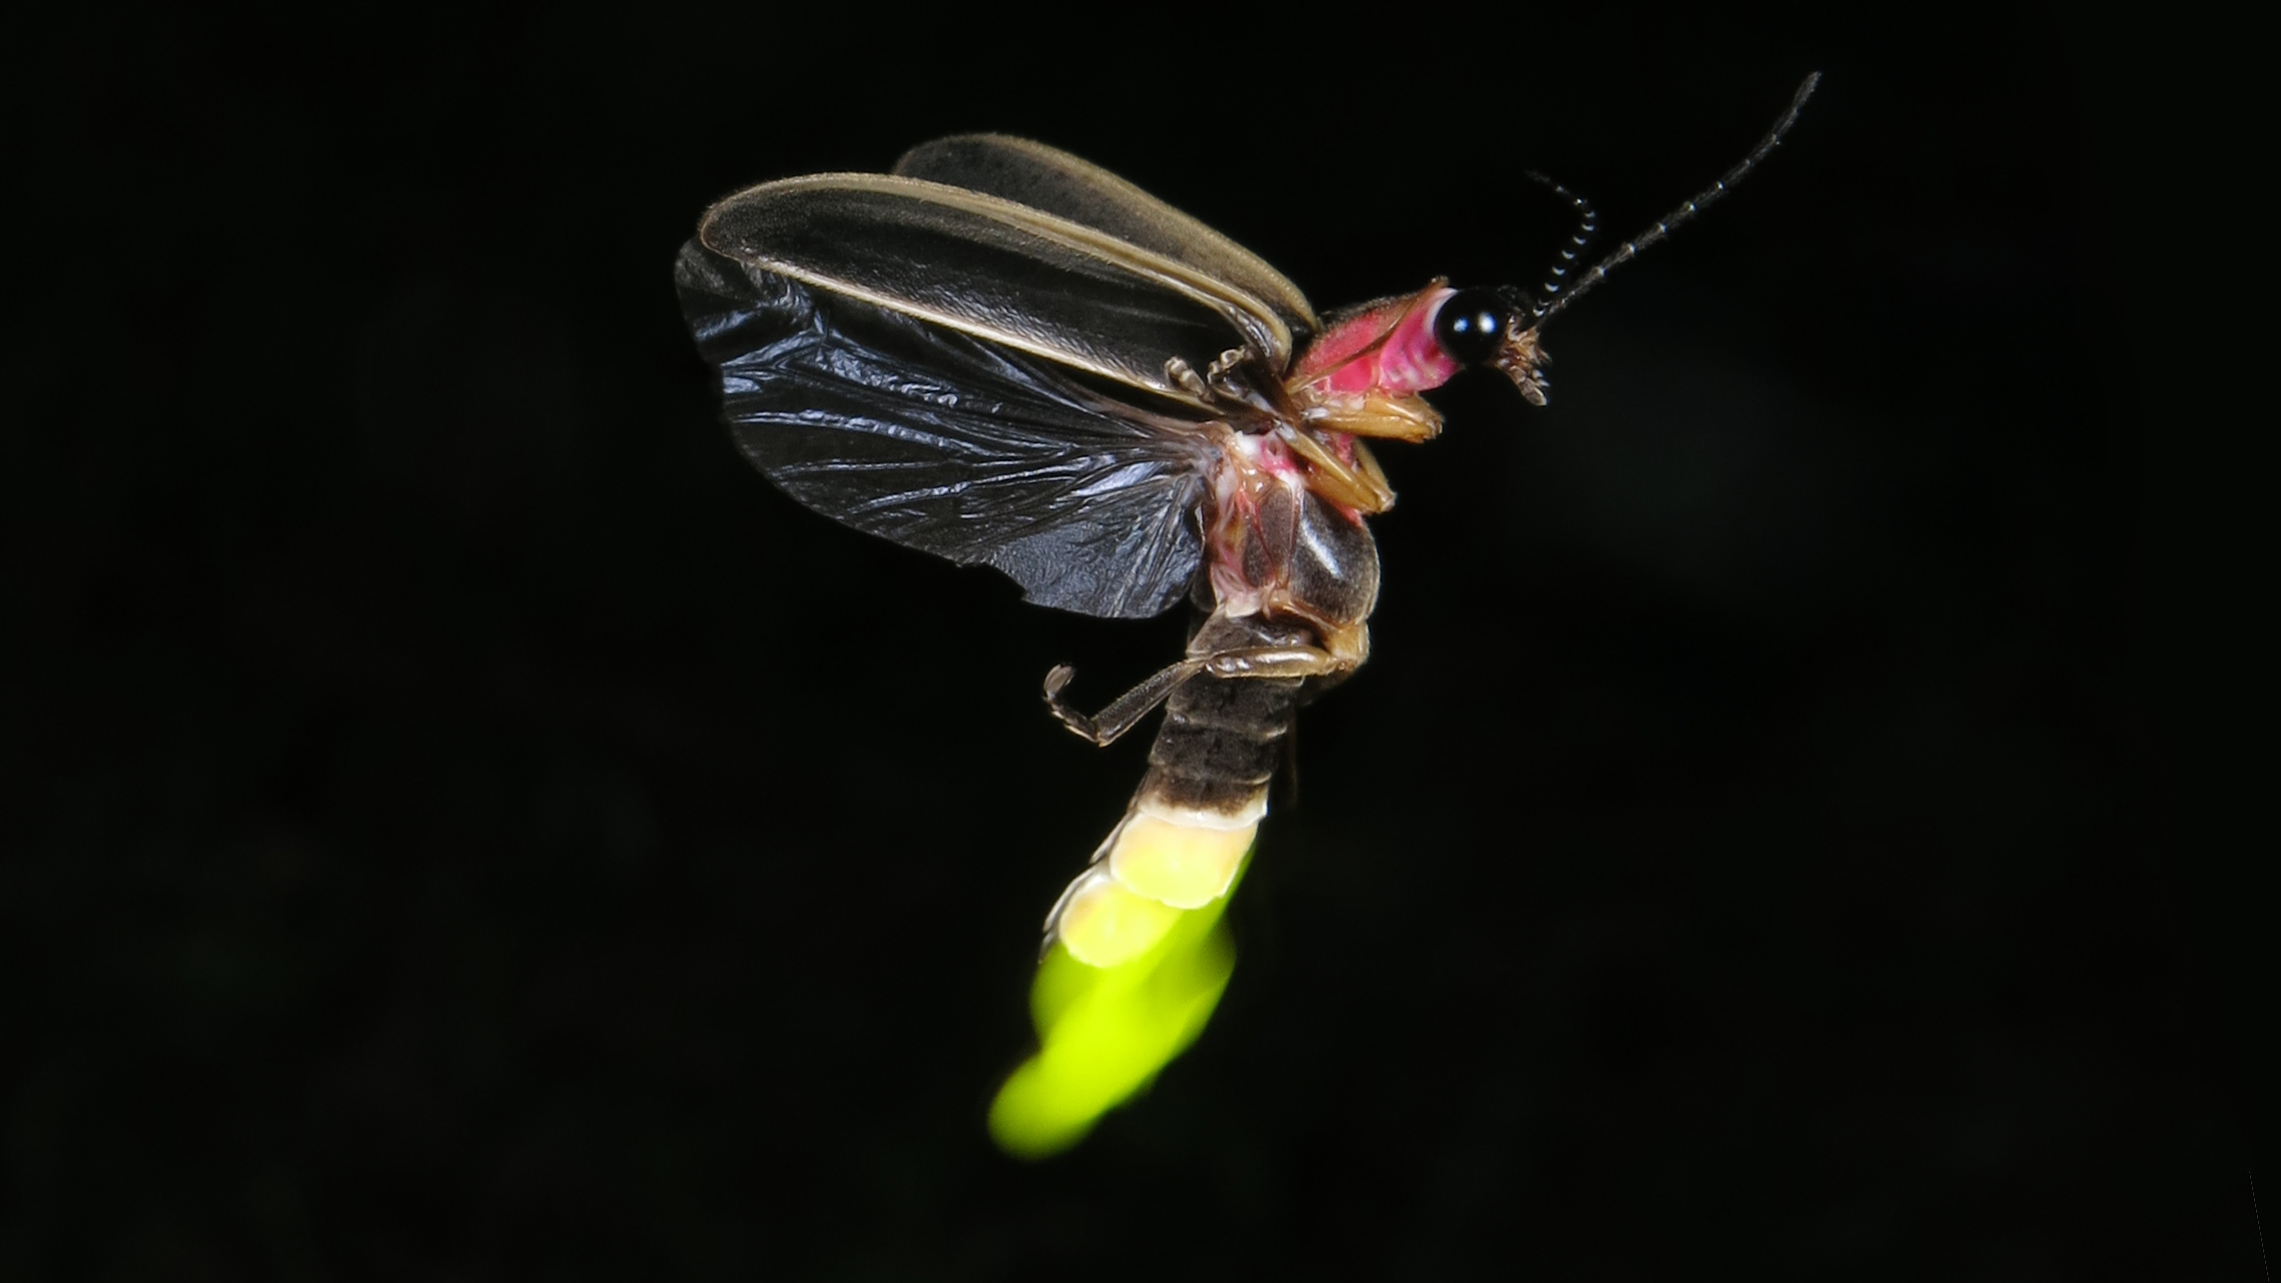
(1625, 252)
(1587, 225)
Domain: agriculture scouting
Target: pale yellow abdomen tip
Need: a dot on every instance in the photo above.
(1102, 924)
(1185, 866)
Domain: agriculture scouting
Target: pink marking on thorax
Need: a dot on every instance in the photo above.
(1389, 349)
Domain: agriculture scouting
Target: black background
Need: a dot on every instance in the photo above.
(466, 825)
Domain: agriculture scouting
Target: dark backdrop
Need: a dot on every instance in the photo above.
(465, 824)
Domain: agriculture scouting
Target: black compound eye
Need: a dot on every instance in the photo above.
(1471, 325)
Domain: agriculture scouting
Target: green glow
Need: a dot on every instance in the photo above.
(1105, 1032)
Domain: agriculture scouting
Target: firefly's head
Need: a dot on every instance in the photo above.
(1497, 328)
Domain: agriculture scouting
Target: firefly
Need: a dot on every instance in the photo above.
(1003, 355)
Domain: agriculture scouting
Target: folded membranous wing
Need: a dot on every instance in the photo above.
(951, 444)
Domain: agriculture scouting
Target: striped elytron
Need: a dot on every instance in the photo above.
(1003, 355)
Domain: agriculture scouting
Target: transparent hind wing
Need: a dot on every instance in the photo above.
(939, 441)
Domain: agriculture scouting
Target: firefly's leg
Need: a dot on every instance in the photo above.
(1360, 488)
(1126, 711)
(1276, 661)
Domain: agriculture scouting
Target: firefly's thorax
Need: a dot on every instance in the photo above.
(1282, 549)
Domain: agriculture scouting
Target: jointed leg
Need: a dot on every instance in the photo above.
(1128, 709)
(1362, 488)
(1125, 711)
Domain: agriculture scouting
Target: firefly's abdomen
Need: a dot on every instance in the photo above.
(1220, 743)
(1198, 808)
